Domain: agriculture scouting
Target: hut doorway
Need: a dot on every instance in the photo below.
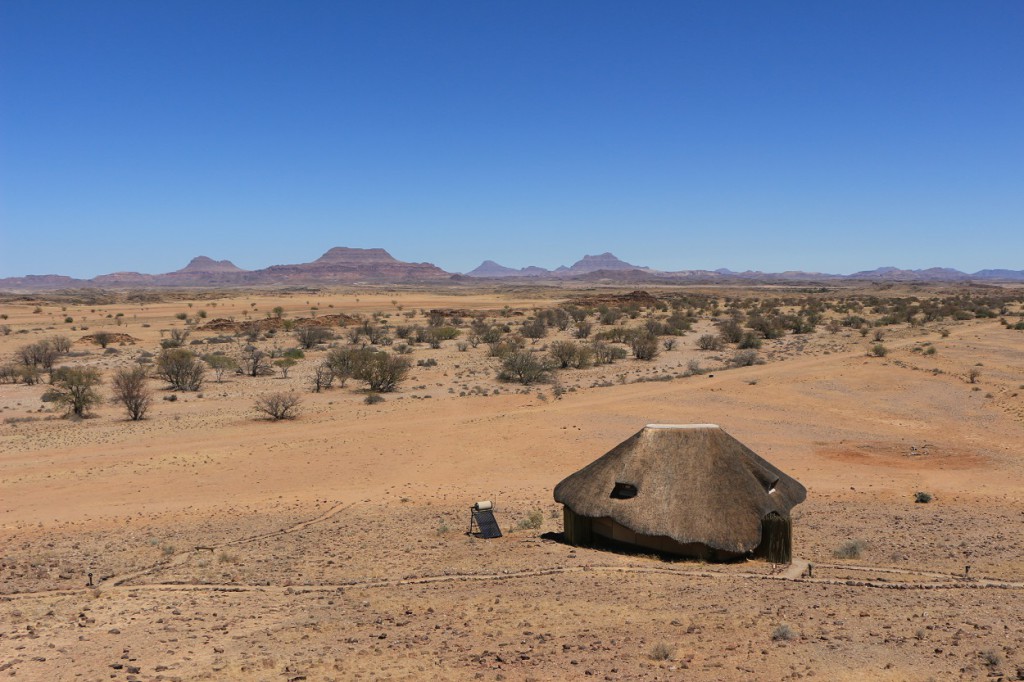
(776, 539)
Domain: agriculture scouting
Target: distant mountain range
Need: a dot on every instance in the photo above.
(342, 265)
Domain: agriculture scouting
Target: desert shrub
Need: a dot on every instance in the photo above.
(851, 549)
(343, 361)
(522, 367)
(180, 368)
(323, 377)
(220, 363)
(504, 348)
(745, 358)
(534, 521)
(922, 497)
(131, 391)
(570, 354)
(783, 633)
(693, 366)
(878, 351)
(40, 354)
(535, 329)
(749, 340)
(9, 374)
(644, 346)
(373, 399)
(991, 658)
(583, 329)
(277, 406)
(730, 330)
(973, 374)
(75, 389)
(426, 362)
(60, 344)
(254, 362)
(176, 340)
(661, 652)
(668, 344)
(381, 370)
(605, 353)
(435, 335)
(309, 337)
(285, 364)
(709, 342)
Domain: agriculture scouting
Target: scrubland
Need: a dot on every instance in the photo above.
(331, 543)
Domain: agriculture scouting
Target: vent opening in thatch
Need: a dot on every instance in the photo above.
(623, 491)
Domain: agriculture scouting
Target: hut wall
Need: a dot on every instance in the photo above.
(577, 528)
(776, 539)
(608, 529)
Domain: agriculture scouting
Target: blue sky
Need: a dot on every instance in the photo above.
(828, 136)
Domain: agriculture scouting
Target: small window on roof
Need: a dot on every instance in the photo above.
(623, 491)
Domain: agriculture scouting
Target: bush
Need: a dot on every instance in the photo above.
(311, 336)
(219, 364)
(570, 354)
(75, 388)
(323, 377)
(709, 342)
(278, 406)
(130, 389)
(373, 399)
(878, 351)
(783, 633)
(645, 346)
(973, 374)
(661, 652)
(254, 362)
(534, 521)
(745, 358)
(522, 367)
(606, 354)
(181, 369)
(851, 549)
(381, 370)
(749, 340)
(922, 497)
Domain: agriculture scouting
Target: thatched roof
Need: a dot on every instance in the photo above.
(694, 483)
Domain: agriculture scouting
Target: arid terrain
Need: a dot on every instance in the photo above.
(333, 546)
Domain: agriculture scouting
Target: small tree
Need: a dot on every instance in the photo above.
(102, 339)
(343, 362)
(973, 374)
(278, 406)
(75, 388)
(130, 389)
(220, 364)
(381, 371)
(285, 364)
(180, 368)
(323, 377)
(254, 362)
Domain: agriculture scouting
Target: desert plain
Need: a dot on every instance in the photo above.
(208, 542)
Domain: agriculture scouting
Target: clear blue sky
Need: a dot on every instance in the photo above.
(820, 135)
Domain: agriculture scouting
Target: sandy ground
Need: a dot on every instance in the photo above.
(334, 546)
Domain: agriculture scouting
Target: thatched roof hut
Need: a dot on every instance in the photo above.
(683, 489)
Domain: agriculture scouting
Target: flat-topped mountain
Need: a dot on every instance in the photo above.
(603, 261)
(205, 264)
